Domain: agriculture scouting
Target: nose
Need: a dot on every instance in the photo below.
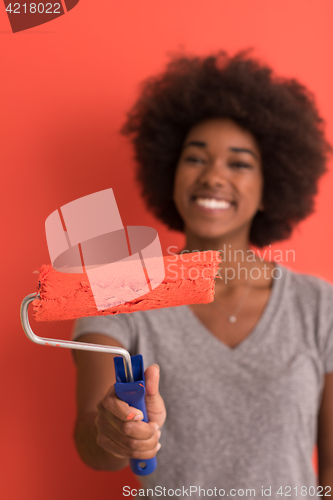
(215, 173)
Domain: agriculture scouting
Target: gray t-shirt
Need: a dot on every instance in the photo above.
(243, 418)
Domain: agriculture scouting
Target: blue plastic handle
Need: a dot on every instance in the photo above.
(133, 393)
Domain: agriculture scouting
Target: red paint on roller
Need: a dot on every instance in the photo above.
(189, 279)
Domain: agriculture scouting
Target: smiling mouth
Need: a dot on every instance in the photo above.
(212, 203)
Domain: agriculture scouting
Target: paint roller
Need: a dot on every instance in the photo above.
(100, 267)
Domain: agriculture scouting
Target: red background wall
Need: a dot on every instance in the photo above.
(64, 90)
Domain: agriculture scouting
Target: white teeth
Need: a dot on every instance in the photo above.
(213, 203)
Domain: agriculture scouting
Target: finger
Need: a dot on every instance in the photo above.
(154, 402)
(128, 428)
(119, 408)
(115, 449)
(128, 442)
(152, 377)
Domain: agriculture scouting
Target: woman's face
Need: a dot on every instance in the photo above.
(218, 182)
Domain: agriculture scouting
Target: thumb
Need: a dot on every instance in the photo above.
(154, 402)
(152, 376)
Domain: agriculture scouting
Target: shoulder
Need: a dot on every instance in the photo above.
(108, 325)
(308, 285)
(153, 317)
(307, 309)
(312, 294)
(158, 318)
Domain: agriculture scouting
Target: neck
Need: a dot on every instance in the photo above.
(237, 259)
(233, 250)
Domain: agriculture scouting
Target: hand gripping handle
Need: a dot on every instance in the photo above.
(133, 393)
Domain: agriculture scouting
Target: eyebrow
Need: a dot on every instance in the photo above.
(201, 144)
(244, 150)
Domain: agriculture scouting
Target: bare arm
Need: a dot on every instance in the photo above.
(105, 438)
(325, 435)
(95, 375)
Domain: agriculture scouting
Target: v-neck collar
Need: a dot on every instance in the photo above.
(258, 330)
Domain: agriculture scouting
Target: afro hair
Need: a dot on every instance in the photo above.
(280, 113)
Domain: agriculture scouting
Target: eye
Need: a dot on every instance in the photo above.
(240, 165)
(194, 159)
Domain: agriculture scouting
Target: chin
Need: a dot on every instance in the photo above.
(209, 233)
(217, 232)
